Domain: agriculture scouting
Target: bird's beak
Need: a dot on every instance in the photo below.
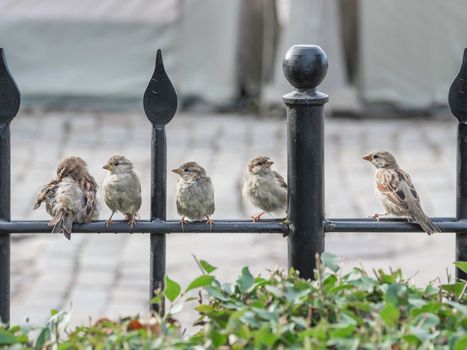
(367, 157)
(176, 171)
(107, 167)
(269, 162)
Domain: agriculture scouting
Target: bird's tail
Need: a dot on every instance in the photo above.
(62, 222)
(426, 224)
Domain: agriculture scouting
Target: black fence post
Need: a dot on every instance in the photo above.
(458, 105)
(305, 67)
(9, 105)
(160, 105)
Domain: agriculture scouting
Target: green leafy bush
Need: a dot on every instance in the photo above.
(335, 311)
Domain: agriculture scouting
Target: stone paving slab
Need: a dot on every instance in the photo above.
(108, 274)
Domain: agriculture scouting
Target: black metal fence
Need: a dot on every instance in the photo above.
(305, 67)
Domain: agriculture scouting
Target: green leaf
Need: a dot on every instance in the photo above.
(172, 289)
(390, 314)
(266, 315)
(155, 300)
(417, 302)
(420, 333)
(276, 292)
(300, 322)
(342, 330)
(7, 338)
(43, 337)
(250, 319)
(23, 338)
(455, 288)
(264, 336)
(245, 281)
(427, 320)
(244, 332)
(330, 261)
(411, 339)
(203, 308)
(460, 307)
(216, 293)
(218, 339)
(396, 294)
(228, 288)
(207, 266)
(363, 283)
(462, 265)
(53, 312)
(175, 309)
(329, 282)
(295, 296)
(461, 343)
(201, 281)
(431, 290)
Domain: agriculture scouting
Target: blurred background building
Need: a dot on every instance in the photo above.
(384, 56)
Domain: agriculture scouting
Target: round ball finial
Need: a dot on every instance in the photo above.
(305, 66)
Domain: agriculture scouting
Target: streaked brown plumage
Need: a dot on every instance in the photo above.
(71, 197)
(264, 187)
(395, 191)
(122, 189)
(194, 193)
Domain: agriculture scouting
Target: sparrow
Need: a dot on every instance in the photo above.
(395, 191)
(264, 187)
(194, 194)
(70, 197)
(122, 189)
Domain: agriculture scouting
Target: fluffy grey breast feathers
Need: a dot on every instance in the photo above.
(122, 189)
(194, 194)
(264, 187)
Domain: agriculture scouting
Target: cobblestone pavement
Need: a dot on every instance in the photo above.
(108, 274)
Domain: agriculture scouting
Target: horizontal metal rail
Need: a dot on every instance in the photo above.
(390, 225)
(155, 226)
(236, 226)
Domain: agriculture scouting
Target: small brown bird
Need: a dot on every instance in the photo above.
(194, 194)
(71, 197)
(395, 191)
(122, 189)
(264, 187)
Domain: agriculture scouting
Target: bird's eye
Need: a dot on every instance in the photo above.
(185, 170)
(117, 163)
(260, 163)
(375, 156)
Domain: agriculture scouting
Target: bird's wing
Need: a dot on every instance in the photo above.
(179, 207)
(414, 206)
(136, 188)
(405, 179)
(89, 187)
(397, 187)
(280, 179)
(42, 196)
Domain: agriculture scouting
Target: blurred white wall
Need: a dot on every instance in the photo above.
(206, 44)
(406, 52)
(410, 51)
(85, 48)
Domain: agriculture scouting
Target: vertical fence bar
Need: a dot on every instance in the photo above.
(458, 105)
(9, 105)
(158, 210)
(5, 215)
(160, 105)
(305, 66)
